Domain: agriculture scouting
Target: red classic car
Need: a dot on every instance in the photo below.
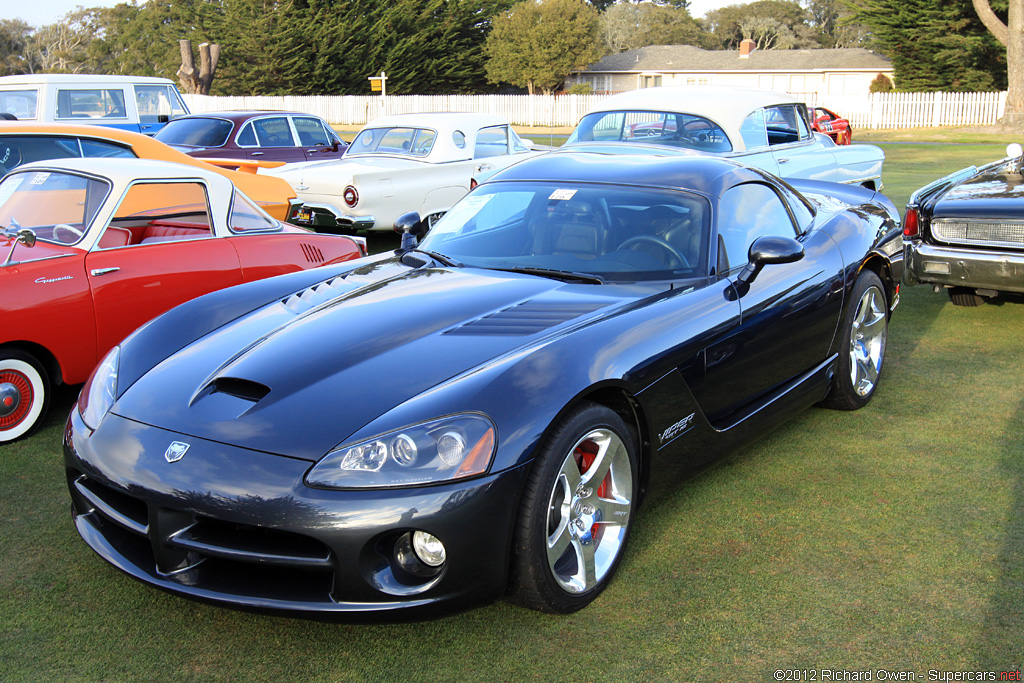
(97, 247)
(833, 125)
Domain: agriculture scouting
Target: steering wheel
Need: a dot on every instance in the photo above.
(10, 156)
(650, 239)
(61, 230)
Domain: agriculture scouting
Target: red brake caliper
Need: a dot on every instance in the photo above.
(585, 459)
(24, 388)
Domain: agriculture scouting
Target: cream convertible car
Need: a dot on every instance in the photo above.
(421, 162)
(761, 128)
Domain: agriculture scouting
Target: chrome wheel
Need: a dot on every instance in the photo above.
(867, 341)
(589, 511)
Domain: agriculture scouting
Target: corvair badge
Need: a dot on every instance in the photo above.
(176, 451)
(47, 280)
(677, 429)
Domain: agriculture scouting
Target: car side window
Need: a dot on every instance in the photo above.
(273, 132)
(247, 138)
(96, 148)
(154, 101)
(803, 214)
(311, 132)
(175, 212)
(95, 103)
(245, 217)
(491, 142)
(753, 131)
(785, 124)
(746, 212)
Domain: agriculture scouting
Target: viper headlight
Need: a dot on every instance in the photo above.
(448, 448)
(100, 390)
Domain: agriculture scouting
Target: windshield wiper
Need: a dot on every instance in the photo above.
(566, 275)
(445, 260)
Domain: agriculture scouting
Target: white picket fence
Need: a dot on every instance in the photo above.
(878, 110)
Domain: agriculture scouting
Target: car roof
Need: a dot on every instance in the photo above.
(725, 105)
(123, 171)
(72, 79)
(448, 120)
(241, 115)
(696, 172)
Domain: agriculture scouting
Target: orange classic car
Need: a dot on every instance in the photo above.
(22, 142)
(93, 248)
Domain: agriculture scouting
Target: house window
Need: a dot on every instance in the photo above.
(650, 81)
(598, 84)
(698, 80)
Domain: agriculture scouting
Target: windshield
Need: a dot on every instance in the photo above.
(623, 234)
(686, 131)
(195, 132)
(58, 207)
(415, 142)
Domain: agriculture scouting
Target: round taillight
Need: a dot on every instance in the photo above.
(910, 223)
(351, 196)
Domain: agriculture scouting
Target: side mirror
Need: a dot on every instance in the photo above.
(20, 236)
(411, 227)
(163, 118)
(768, 251)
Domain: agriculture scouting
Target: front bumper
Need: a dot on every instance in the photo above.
(962, 267)
(239, 528)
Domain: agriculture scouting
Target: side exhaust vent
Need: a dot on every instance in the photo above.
(312, 254)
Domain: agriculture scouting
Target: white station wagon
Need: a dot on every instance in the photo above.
(406, 162)
(761, 128)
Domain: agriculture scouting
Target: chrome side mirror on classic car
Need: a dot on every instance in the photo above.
(19, 235)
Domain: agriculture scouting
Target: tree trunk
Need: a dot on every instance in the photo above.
(1012, 36)
(209, 55)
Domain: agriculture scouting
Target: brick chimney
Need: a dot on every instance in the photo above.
(746, 47)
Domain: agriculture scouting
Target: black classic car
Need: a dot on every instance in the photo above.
(965, 232)
(425, 430)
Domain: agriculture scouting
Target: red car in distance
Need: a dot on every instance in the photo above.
(833, 125)
(255, 135)
(93, 248)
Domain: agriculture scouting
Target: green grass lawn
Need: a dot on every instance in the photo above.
(889, 538)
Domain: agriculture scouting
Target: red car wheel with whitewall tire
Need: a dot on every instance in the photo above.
(24, 394)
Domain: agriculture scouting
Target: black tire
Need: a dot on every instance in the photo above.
(24, 394)
(571, 530)
(862, 346)
(965, 296)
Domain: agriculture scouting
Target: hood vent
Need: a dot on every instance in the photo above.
(240, 388)
(300, 302)
(524, 319)
(312, 254)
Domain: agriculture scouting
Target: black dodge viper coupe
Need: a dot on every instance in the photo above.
(481, 413)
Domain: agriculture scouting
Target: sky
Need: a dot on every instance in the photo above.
(42, 12)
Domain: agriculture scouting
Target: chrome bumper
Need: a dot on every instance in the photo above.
(960, 267)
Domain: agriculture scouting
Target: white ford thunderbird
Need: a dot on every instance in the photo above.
(406, 162)
(761, 128)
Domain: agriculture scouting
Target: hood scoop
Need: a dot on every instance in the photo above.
(228, 398)
(526, 318)
(309, 298)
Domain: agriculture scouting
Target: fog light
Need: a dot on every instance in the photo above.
(429, 549)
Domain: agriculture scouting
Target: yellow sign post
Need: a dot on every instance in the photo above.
(379, 84)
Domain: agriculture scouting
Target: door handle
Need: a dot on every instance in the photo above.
(257, 154)
(784, 161)
(483, 167)
(103, 271)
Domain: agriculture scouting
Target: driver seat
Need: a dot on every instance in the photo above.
(571, 228)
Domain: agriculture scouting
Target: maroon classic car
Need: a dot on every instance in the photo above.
(257, 135)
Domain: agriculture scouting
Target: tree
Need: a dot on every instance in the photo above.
(68, 46)
(935, 44)
(779, 23)
(537, 44)
(627, 26)
(15, 41)
(835, 20)
(1011, 35)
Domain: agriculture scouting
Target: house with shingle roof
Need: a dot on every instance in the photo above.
(810, 74)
